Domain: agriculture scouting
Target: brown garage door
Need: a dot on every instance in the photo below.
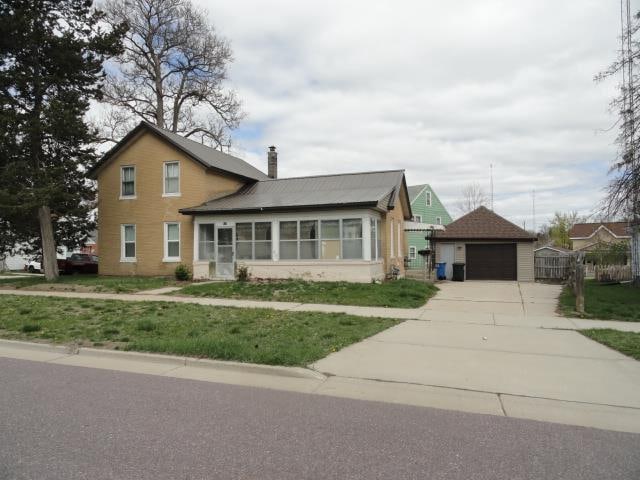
(491, 261)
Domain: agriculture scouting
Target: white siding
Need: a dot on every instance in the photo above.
(525, 262)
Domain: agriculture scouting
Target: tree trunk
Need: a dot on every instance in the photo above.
(49, 253)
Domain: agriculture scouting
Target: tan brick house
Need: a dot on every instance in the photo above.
(589, 236)
(165, 200)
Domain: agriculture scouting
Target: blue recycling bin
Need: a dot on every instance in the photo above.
(441, 271)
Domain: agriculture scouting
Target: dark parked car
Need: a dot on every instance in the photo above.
(79, 263)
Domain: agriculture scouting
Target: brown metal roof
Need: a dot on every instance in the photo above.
(379, 190)
(206, 156)
(585, 230)
(483, 224)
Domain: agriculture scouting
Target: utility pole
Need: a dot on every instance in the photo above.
(533, 194)
(491, 175)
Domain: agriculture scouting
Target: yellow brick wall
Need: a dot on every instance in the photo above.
(150, 209)
(390, 258)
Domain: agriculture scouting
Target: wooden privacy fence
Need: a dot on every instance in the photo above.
(612, 273)
(553, 268)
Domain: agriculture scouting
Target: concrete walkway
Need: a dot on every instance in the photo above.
(534, 307)
(501, 339)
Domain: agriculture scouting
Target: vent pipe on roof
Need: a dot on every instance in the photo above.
(272, 162)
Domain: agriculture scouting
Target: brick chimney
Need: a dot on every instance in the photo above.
(272, 162)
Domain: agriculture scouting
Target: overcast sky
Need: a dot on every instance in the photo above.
(441, 89)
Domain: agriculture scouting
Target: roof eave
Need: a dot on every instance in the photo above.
(199, 211)
(489, 239)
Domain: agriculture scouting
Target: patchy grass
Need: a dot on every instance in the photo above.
(246, 335)
(95, 283)
(399, 293)
(605, 302)
(624, 342)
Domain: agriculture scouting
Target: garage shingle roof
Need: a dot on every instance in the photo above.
(484, 224)
(378, 190)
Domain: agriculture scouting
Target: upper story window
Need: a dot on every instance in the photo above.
(171, 178)
(417, 218)
(439, 220)
(128, 181)
(428, 198)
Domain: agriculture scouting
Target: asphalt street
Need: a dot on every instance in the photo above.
(62, 422)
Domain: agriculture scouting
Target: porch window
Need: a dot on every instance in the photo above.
(309, 239)
(376, 240)
(128, 247)
(172, 178)
(262, 240)
(206, 242)
(253, 241)
(330, 232)
(289, 240)
(244, 241)
(128, 177)
(172, 242)
(352, 238)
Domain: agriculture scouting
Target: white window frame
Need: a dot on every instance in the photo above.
(164, 179)
(427, 196)
(413, 252)
(127, 197)
(196, 248)
(438, 220)
(167, 258)
(123, 258)
(417, 218)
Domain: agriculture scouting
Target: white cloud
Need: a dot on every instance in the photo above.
(440, 89)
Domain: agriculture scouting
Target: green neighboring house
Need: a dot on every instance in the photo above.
(426, 208)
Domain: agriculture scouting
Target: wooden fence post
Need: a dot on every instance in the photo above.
(579, 288)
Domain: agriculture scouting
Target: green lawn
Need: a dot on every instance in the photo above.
(606, 302)
(399, 293)
(247, 335)
(624, 342)
(94, 283)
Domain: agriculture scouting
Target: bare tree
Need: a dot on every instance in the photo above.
(172, 73)
(623, 195)
(473, 196)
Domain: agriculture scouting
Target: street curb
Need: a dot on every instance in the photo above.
(173, 360)
(41, 347)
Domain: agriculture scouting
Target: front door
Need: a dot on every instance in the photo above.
(226, 256)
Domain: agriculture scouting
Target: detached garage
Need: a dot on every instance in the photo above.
(491, 247)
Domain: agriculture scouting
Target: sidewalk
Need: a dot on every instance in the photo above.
(307, 381)
(465, 315)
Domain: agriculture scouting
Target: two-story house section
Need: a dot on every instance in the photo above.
(164, 200)
(426, 208)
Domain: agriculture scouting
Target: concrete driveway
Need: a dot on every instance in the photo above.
(504, 339)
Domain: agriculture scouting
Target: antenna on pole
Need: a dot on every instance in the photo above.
(491, 169)
(533, 194)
